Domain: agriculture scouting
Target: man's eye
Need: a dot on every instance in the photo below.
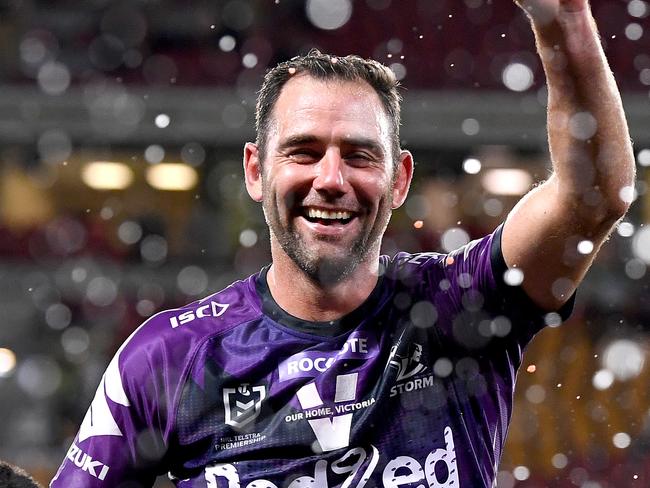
(358, 158)
(303, 156)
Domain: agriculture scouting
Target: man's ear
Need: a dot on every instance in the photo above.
(402, 178)
(253, 171)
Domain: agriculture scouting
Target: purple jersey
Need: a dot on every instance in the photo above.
(414, 388)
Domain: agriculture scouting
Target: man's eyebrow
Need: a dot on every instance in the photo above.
(297, 140)
(364, 143)
(358, 142)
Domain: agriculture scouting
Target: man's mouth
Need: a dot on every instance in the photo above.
(327, 217)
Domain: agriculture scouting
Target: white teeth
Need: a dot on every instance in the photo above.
(326, 214)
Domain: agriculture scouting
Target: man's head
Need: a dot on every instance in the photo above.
(14, 477)
(328, 68)
(330, 173)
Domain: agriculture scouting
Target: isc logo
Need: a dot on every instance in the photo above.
(212, 309)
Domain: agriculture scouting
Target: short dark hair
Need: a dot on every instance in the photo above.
(328, 67)
(14, 477)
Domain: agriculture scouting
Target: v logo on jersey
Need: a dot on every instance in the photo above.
(331, 433)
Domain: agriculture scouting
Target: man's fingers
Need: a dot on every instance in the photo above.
(545, 11)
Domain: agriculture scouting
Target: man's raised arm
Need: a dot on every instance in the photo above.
(592, 156)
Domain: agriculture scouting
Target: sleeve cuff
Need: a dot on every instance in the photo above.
(513, 299)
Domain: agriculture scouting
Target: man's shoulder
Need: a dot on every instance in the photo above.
(404, 261)
(177, 332)
(469, 251)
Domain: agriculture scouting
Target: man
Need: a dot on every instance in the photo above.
(14, 477)
(335, 366)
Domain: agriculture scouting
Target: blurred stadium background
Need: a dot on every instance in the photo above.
(121, 127)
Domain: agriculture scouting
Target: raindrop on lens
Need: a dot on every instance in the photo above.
(249, 60)
(585, 247)
(129, 232)
(643, 158)
(625, 229)
(621, 440)
(58, 316)
(641, 245)
(553, 319)
(521, 473)
(329, 14)
(633, 31)
(635, 269)
(493, 207)
(192, 280)
(153, 248)
(471, 166)
(154, 153)
(162, 121)
(536, 394)
(624, 358)
(559, 461)
(470, 127)
(248, 238)
(517, 77)
(193, 154)
(101, 291)
(227, 43)
(582, 125)
(423, 314)
(39, 376)
(75, 340)
(53, 78)
(603, 379)
(443, 367)
(454, 238)
(637, 8)
(513, 277)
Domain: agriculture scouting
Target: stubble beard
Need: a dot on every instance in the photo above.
(325, 270)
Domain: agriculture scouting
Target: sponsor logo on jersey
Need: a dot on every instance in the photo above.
(357, 466)
(309, 364)
(240, 440)
(212, 309)
(243, 404)
(331, 432)
(84, 461)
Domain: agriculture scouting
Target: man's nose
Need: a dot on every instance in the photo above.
(331, 173)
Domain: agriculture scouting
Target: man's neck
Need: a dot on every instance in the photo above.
(300, 296)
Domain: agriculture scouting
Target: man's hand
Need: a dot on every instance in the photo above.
(545, 11)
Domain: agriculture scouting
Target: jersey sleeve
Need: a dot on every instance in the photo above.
(482, 287)
(124, 435)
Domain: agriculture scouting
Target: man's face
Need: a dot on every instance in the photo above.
(327, 181)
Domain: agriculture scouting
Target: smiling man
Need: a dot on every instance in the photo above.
(335, 366)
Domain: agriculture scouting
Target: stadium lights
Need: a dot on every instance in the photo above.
(7, 361)
(171, 176)
(107, 175)
(506, 181)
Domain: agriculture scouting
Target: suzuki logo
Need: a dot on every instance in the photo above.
(213, 309)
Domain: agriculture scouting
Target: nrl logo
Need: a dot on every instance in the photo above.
(243, 404)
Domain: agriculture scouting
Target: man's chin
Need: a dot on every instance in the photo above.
(330, 270)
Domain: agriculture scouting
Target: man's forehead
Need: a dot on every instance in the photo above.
(304, 95)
